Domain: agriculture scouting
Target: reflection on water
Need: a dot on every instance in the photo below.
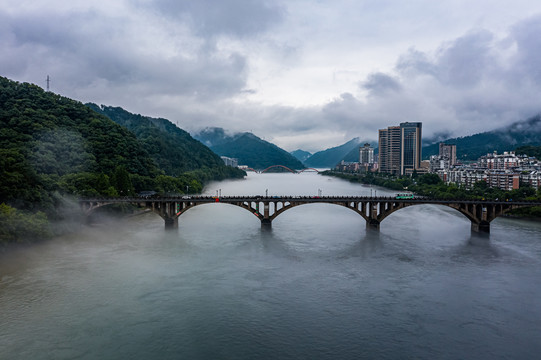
(316, 285)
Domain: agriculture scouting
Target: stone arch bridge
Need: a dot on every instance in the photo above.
(266, 208)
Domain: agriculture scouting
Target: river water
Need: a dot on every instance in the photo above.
(319, 285)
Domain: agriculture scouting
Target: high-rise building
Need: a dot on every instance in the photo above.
(448, 151)
(389, 150)
(400, 148)
(366, 154)
(410, 147)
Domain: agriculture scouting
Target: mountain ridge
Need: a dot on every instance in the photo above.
(328, 158)
(470, 148)
(247, 148)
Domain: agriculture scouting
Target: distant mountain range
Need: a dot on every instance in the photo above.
(249, 149)
(469, 148)
(301, 155)
(330, 157)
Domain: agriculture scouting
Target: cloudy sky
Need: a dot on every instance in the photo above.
(307, 74)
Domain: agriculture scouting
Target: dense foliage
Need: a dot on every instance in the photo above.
(18, 226)
(432, 186)
(172, 149)
(52, 146)
(534, 151)
(472, 147)
(45, 137)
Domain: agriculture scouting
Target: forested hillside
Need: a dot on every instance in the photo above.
(247, 148)
(521, 133)
(52, 146)
(330, 157)
(172, 148)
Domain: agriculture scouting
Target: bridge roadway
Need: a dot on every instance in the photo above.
(266, 208)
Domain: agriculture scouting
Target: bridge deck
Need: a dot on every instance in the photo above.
(374, 209)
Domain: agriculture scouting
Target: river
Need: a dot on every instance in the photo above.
(318, 285)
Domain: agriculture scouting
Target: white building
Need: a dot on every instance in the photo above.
(366, 154)
(230, 161)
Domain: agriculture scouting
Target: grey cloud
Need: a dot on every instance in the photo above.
(380, 84)
(414, 63)
(464, 61)
(240, 18)
(459, 63)
(80, 49)
(527, 37)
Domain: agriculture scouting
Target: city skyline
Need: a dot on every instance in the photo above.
(301, 74)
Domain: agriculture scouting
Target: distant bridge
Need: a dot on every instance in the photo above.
(266, 208)
(282, 167)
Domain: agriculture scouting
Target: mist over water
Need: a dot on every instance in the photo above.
(318, 285)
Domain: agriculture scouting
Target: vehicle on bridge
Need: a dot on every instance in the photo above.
(403, 196)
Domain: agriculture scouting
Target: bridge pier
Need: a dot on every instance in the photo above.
(372, 224)
(481, 227)
(266, 223)
(171, 223)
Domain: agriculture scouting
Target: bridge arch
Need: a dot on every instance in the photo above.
(278, 166)
(354, 206)
(309, 169)
(480, 214)
(373, 209)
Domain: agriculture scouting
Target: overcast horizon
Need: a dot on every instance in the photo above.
(301, 74)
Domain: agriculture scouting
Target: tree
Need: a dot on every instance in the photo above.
(429, 179)
(121, 182)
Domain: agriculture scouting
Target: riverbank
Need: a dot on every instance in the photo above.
(432, 186)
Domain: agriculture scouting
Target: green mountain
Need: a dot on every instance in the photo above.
(45, 138)
(52, 146)
(521, 133)
(330, 157)
(301, 155)
(172, 149)
(247, 148)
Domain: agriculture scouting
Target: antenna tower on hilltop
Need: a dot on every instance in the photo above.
(48, 80)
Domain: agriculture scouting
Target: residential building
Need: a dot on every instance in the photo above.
(389, 150)
(532, 178)
(344, 166)
(507, 160)
(466, 177)
(503, 179)
(366, 154)
(448, 151)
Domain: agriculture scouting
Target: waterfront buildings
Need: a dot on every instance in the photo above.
(400, 148)
(366, 154)
(444, 160)
(506, 171)
(448, 152)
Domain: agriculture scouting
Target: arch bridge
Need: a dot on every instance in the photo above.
(283, 167)
(266, 208)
